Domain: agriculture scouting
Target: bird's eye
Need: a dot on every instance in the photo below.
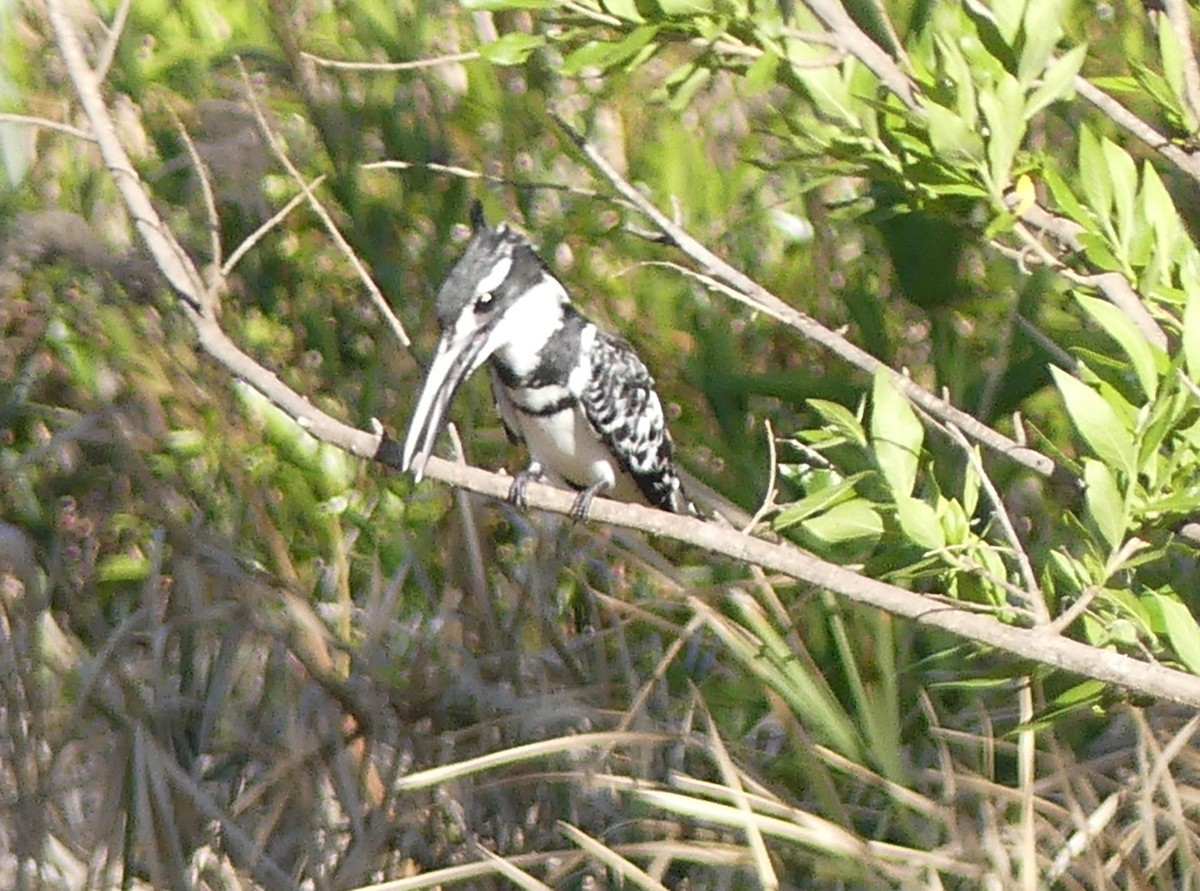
(484, 301)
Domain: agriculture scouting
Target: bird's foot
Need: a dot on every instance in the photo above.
(583, 501)
(516, 492)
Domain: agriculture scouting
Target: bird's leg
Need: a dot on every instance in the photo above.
(534, 473)
(583, 501)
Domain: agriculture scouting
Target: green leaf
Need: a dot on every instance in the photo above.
(1008, 15)
(623, 9)
(1139, 350)
(1191, 327)
(1041, 29)
(686, 7)
(122, 568)
(1172, 64)
(841, 419)
(1097, 422)
(1086, 694)
(1058, 82)
(601, 54)
(1097, 249)
(1093, 175)
(1180, 627)
(1004, 111)
(761, 75)
(896, 435)
(511, 49)
(1159, 211)
(971, 484)
(817, 502)
(1123, 173)
(952, 137)
(920, 522)
(849, 521)
(956, 67)
(1104, 502)
(681, 97)
(1064, 197)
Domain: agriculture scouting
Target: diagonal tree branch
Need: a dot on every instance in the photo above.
(762, 299)
(167, 252)
(855, 41)
(1139, 129)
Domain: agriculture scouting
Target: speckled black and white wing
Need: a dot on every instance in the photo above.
(620, 403)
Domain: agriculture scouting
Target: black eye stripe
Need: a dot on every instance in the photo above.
(484, 300)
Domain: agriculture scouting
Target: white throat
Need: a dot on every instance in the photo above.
(528, 325)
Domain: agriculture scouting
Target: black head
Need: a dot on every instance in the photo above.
(480, 310)
(497, 266)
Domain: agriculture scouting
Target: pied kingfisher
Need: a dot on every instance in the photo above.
(579, 398)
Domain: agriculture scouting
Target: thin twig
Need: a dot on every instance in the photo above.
(476, 571)
(1033, 591)
(1027, 849)
(1114, 563)
(209, 297)
(414, 65)
(109, 51)
(467, 173)
(258, 234)
(28, 120)
(854, 40)
(377, 298)
(768, 503)
(814, 331)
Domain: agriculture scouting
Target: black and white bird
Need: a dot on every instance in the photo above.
(579, 398)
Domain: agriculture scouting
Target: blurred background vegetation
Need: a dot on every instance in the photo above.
(231, 657)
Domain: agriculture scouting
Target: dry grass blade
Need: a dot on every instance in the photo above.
(626, 869)
(579, 745)
(731, 775)
(514, 874)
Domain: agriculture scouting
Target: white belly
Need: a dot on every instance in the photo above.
(571, 452)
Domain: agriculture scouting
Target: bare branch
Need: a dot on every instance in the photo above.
(1113, 285)
(768, 503)
(414, 65)
(897, 45)
(109, 51)
(1058, 652)
(1139, 129)
(33, 121)
(210, 206)
(855, 41)
(467, 173)
(168, 253)
(256, 236)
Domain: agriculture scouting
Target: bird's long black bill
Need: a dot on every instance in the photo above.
(452, 364)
